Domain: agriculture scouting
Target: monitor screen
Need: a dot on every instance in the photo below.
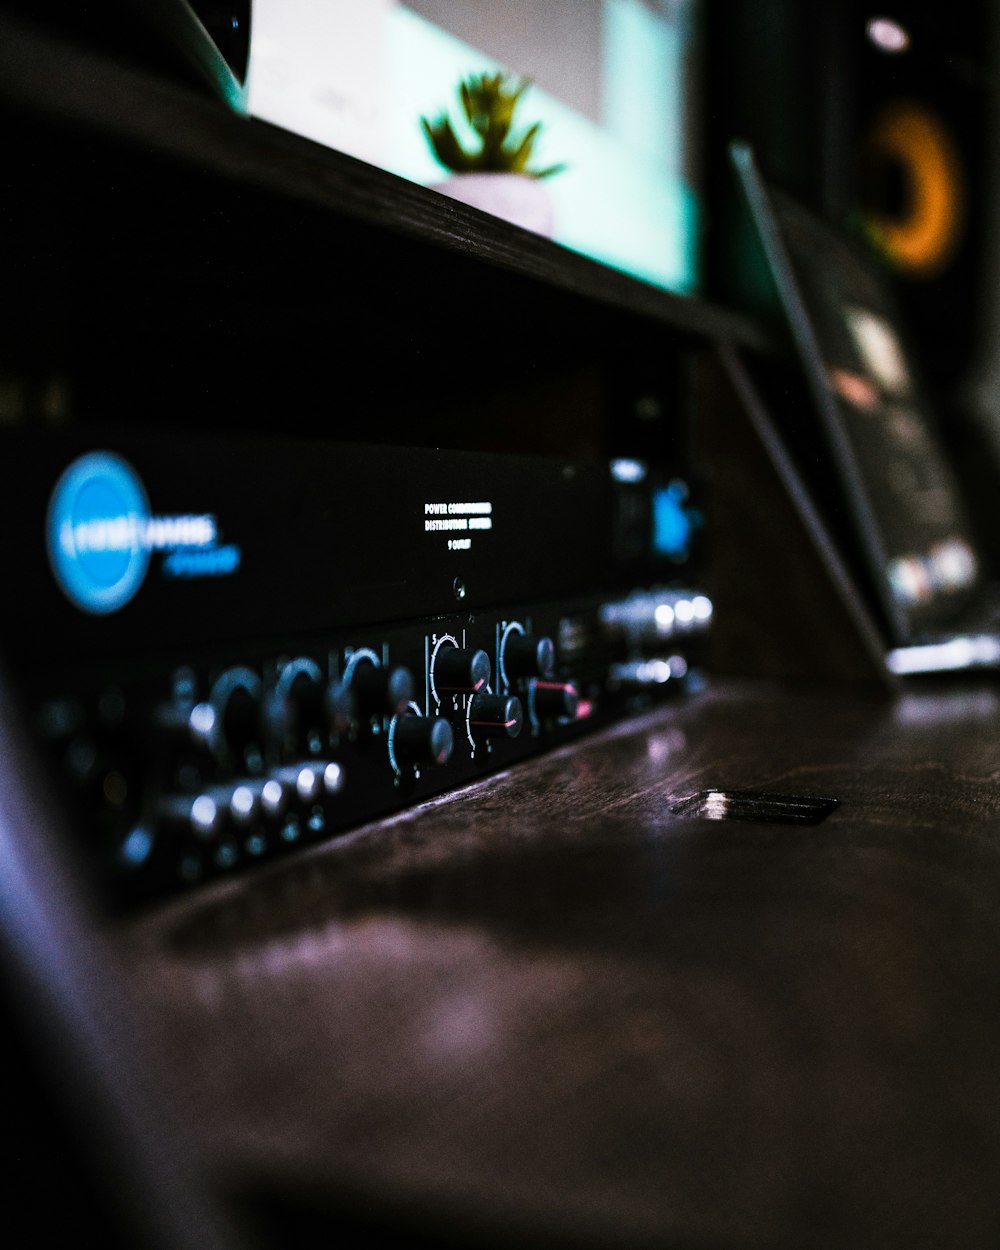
(612, 84)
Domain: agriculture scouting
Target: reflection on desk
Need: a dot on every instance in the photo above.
(550, 1009)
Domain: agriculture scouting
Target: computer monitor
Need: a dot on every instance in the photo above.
(613, 84)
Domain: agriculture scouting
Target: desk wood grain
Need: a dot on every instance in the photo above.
(551, 1009)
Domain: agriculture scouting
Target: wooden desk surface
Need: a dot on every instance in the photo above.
(549, 1010)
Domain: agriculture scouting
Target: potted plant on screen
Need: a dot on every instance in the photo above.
(494, 172)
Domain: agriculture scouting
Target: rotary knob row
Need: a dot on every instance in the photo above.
(655, 615)
(647, 674)
(502, 716)
(207, 814)
(294, 714)
(222, 825)
(425, 740)
(462, 670)
(298, 711)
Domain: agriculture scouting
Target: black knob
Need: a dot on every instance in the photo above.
(423, 740)
(379, 690)
(495, 716)
(555, 700)
(460, 671)
(341, 706)
(294, 708)
(235, 712)
(525, 655)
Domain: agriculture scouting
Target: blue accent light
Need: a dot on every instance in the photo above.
(211, 562)
(94, 532)
(136, 847)
(100, 536)
(671, 522)
(226, 855)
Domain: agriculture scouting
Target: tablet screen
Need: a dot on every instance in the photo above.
(876, 428)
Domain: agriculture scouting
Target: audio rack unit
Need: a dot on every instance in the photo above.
(236, 647)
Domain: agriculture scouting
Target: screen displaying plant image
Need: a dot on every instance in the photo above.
(575, 118)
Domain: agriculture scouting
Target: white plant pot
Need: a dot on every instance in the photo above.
(514, 197)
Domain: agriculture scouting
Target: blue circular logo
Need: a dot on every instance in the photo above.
(96, 530)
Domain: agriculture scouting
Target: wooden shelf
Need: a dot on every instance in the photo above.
(47, 81)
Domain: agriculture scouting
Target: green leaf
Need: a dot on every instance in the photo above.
(522, 153)
(446, 146)
(548, 171)
(489, 102)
